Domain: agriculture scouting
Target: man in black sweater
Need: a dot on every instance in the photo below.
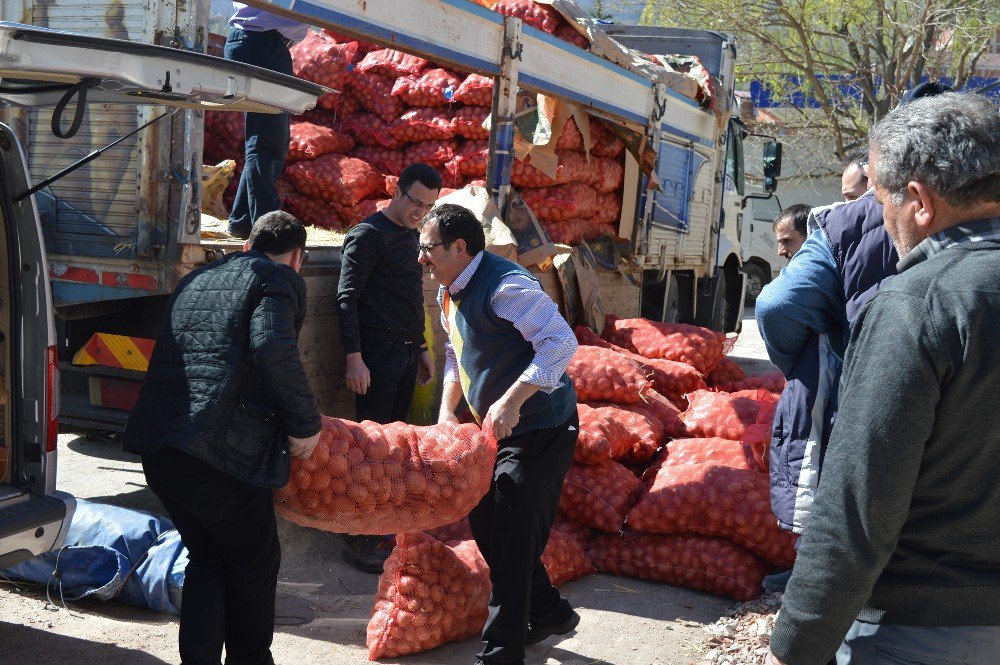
(901, 562)
(380, 302)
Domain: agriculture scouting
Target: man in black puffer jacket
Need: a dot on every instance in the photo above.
(224, 404)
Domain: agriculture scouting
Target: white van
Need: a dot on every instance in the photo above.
(40, 67)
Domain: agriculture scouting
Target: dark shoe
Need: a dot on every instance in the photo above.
(367, 553)
(538, 633)
(777, 581)
(241, 231)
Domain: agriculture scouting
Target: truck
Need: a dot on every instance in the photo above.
(49, 69)
(122, 230)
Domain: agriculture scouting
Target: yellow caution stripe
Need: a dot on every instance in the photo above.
(120, 351)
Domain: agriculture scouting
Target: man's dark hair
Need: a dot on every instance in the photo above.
(798, 214)
(277, 233)
(425, 175)
(859, 159)
(454, 222)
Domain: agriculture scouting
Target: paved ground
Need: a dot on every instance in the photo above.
(323, 605)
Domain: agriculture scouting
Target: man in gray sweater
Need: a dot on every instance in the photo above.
(901, 563)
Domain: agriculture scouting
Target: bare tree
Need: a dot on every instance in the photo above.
(843, 63)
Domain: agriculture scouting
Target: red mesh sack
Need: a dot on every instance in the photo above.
(472, 158)
(391, 63)
(599, 495)
(576, 231)
(429, 593)
(538, 16)
(364, 47)
(320, 59)
(610, 175)
(421, 124)
(670, 378)
(726, 415)
(432, 153)
(475, 90)
(435, 87)
(467, 122)
(572, 166)
(602, 437)
(606, 144)
(773, 382)
(568, 33)
(352, 214)
(384, 159)
(338, 178)
(312, 212)
(682, 452)
(309, 141)
(570, 138)
(369, 129)
(373, 93)
(379, 479)
(714, 499)
(726, 371)
(614, 433)
(699, 347)
(604, 375)
(554, 204)
(565, 558)
(317, 116)
(704, 563)
(224, 136)
(609, 208)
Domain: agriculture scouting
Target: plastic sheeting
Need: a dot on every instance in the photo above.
(113, 553)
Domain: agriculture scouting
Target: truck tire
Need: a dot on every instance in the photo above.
(89, 310)
(756, 280)
(712, 309)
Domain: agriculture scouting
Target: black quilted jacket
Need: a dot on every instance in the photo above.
(225, 383)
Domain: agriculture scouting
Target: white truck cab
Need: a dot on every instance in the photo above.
(40, 67)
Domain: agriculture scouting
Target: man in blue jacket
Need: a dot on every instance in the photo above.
(901, 563)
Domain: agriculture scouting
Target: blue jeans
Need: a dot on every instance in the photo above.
(875, 644)
(266, 134)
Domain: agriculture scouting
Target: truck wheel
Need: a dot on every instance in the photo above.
(718, 321)
(756, 280)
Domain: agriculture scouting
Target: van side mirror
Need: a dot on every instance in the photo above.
(772, 165)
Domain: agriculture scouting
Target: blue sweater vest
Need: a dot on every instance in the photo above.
(492, 353)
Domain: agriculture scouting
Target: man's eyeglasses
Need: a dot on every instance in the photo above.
(426, 249)
(419, 204)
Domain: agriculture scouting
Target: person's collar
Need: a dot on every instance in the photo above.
(463, 277)
(978, 230)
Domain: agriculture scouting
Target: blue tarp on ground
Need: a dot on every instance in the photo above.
(113, 553)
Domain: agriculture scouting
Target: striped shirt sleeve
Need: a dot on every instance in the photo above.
(520, 300)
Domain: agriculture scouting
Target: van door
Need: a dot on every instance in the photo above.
(40, 67)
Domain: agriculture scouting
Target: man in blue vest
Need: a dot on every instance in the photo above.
(259, 38)
(507, 355)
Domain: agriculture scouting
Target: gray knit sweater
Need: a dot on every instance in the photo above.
(907, 522)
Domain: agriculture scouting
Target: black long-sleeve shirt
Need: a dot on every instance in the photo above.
(381, 284)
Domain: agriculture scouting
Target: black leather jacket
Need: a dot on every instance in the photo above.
(225, 383)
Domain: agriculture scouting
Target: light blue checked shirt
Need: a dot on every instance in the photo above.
(520, 300)
(979, 230)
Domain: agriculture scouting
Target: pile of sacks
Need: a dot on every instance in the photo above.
(392, 109)
(668, 483)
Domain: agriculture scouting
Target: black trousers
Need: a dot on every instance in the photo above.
(229, 529)
(511, 526)
(393, 369)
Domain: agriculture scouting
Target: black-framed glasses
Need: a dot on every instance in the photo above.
(419, 204)
(426, 249)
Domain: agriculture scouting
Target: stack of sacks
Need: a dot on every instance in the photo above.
(392, 109)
